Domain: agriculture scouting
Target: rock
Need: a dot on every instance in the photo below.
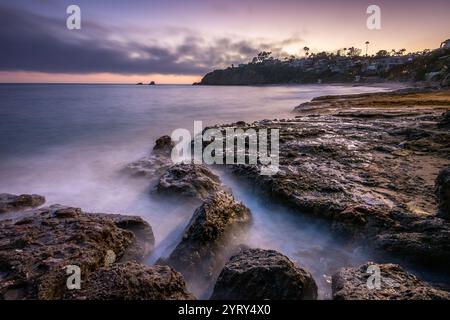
(145, 240)
(371, 177)
(256, 274)
(157, 162)
(164, 145)
(445, 120)
(395, 284)
(35, 250)
(421, 241)
(10, 202)
(133, 281)
(443, 193)
(151, 166)
(215, 226)
(152, 83)
(189, 180)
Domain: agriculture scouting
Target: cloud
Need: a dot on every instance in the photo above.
(37, 43)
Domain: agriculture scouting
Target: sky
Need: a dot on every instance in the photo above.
(178, 41)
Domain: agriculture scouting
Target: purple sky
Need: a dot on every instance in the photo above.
(178, 41)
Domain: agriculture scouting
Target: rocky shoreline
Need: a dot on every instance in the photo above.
(376, 167)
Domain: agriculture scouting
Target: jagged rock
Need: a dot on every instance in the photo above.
(422, 241)
(189, 180)
(35, 250)
(151, 166)
(214, 227)
(164, 145)
(145, 240)
(256, 274)
(133, 281)
(11, 202)
(395, 284)
(443, 193)
(157, 162)
(367, 165)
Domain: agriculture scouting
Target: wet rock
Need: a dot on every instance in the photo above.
(133, 281)
(189, 180)
(257, 274)
(395, 284)
(215, 226)
(157, 162)
(145, 240)
(372, 178)
(151, 166)
(422, 241)
(164, 145)
(35, 250)
(11, 202)
(443, 193)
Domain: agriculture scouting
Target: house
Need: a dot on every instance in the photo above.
(387, 63)
(372, 67)
(445, 44)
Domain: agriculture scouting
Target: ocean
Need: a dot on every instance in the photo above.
(71, 142)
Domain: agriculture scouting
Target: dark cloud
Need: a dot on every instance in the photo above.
(31, 42)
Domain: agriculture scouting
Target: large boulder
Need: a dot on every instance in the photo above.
(133, 281)
(36, 249)
(215, 226)
(394, 284)
(157, 162)
(443, 193)
(163, 145)
(11, 202)
(256, 274)
(189, 180)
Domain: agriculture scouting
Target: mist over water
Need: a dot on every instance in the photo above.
(69, 143)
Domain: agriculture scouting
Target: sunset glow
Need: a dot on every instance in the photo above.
(178, 42)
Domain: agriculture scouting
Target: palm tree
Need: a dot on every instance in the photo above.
(367, 47)
(306, 49)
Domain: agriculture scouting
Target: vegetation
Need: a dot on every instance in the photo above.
(344, 65)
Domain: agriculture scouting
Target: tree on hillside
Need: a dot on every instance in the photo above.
(354, 52)
(382, 53)
(263, 56)
(306, 49)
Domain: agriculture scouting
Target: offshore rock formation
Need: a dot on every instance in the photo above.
(256, 274)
